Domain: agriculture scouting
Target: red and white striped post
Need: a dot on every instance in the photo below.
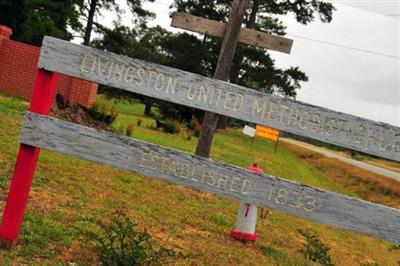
(42, 99)
(246, 219)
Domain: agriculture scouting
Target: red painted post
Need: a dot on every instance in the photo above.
(42, 99)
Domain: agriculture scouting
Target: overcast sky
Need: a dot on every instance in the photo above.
(364, 83)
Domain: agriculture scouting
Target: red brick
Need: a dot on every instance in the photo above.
(18, 67)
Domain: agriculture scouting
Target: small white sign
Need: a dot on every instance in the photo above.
(249, 131)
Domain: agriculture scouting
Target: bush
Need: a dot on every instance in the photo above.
(129, 130)
(119, 243)
(314, 249)
(104, 112)
(120, 130)
(169, 126)
(172, 126)
(356, 156)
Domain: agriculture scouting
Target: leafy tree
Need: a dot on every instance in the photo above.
(157, 45)
(32, 19)
(89, 8)
(253, 66)
(139, 42)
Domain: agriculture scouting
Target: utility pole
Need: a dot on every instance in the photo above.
(222, 72)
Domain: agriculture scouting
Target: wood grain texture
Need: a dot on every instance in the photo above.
(220, 97)
(210, 176)
(217, 29)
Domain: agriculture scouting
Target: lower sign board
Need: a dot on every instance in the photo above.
(267, 132)
(210, 176)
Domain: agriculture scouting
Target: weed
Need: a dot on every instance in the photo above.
(221, 220)
(120, 243)
(38, 234)
(314, 249)
(281, 257)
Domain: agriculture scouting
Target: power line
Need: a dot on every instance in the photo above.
(345, 46)
(331, 43)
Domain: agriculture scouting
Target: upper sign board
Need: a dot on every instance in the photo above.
(220, 97)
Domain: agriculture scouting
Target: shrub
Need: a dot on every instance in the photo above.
(129, 130)
(120, 130)
(139, 122)
(104, 112)
(171, 126)
(314, 249)
(119, 243)
(356, 156)
(395, 247)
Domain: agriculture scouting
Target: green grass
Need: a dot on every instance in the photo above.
(67, 191)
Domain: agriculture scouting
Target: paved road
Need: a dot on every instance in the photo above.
(365, 166)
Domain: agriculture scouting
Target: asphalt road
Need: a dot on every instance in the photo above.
(365, 166)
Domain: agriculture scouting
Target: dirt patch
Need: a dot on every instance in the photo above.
(77, 114)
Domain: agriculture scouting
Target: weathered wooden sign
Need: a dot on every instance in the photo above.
(207, 175)
(41, 131)
(220, 97)
(217, 29)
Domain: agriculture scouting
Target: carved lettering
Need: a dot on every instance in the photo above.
(140, 74)
(159, 84)
(235, 183)
(303, 120)
(258, 109)
(191, 92)
(118, 72)
(171, 85)
(239, 102)
(246, 187)
(129, 74)
(315, 122)
(82, 66)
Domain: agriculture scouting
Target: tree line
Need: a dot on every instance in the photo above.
(252, 67)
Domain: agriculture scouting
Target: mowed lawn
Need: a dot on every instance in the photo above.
(67, 191)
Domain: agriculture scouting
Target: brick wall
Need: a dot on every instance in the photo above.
(18, 67)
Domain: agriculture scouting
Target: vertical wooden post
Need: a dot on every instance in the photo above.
(276, 142)
(42, 98)
(222, 71)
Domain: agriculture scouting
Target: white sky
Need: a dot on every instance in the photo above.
(351, 81)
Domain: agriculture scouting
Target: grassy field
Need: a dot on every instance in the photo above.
(67, 191)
